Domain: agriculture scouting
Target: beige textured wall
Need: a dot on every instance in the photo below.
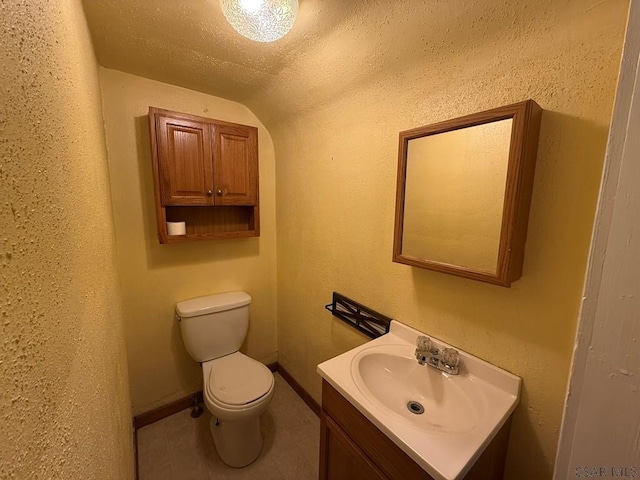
(64, 399)
(154, 277)
(336, 176)
(454, 195)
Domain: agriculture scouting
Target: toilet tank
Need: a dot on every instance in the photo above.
(215, 325)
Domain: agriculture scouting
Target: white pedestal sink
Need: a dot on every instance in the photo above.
(443, 422)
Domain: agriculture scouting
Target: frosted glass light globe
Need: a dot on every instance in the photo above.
(251, 5)
(261, 20)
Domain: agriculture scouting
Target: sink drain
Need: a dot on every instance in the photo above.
(415, 408)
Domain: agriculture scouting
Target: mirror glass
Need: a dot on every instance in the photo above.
(455, 193)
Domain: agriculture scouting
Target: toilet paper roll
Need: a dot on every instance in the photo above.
(176, 228)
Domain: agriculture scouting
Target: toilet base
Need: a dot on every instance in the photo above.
(238, 442)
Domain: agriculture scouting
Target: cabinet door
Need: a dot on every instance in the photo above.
(235, 165)
(340, 458)
(184, 154)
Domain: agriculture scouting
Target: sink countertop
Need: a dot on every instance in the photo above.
(443, 455)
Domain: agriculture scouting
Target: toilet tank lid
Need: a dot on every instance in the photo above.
(212, 304)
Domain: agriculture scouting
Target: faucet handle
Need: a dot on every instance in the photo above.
(423, 344)
(450, 357)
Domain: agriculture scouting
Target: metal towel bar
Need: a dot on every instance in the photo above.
(364, 319)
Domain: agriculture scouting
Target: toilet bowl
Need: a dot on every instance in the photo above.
(237, 389)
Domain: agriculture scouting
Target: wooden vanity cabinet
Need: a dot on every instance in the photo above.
(343, 458)
(351, 447)
(205, 174)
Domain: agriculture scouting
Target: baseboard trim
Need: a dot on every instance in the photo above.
(273, 366)
(136, 465)
(159, 413)
(302, 393)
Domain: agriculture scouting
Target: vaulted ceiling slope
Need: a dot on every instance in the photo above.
(334, 47)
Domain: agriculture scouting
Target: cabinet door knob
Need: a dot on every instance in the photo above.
(209, 193)
(219, 192)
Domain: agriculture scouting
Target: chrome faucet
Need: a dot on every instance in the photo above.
(446, 361)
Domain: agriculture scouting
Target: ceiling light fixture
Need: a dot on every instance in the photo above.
(261, 20)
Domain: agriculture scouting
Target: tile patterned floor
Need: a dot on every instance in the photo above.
(180, 447)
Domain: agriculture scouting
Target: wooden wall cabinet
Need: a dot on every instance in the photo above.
(351, 447)
(206, 175)
(464, 192)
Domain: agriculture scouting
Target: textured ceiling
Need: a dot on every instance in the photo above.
(334, 46)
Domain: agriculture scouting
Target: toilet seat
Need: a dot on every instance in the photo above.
(237, 382)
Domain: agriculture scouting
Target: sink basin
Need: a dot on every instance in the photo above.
(443, 422)
(392, 379)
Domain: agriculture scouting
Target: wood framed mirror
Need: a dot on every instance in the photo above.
(464, 192)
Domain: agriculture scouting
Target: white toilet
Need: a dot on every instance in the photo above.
(237, 389)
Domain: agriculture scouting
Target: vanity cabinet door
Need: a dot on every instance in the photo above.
(235, 165)
(340, 458)
(370, 443)
(184, 154)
